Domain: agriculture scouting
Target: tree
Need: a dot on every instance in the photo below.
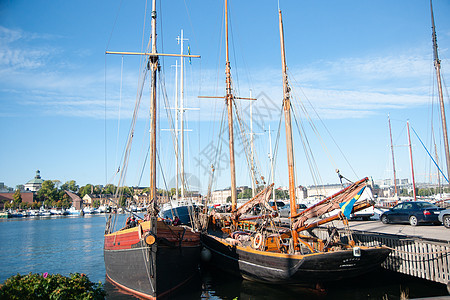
(87, 189)
(246, 194)
(70, 186)
(17, 199)
(48, 192)
(96, 203)
(57, 183)
(109, 189)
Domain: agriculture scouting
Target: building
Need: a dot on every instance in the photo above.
(5, 189)
(141, 200)
(34, 184)
(77, 202)
(220, 196)
(27, 197)
(324, 190)
(89, 199)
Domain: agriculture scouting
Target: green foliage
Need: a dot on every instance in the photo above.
(281, 194)
(70, 186)
(45, 286)
(96, 203)
(246, 194)
(17, 199)
(87, 189)
(109, 189)
(122, 200)
(48, 192)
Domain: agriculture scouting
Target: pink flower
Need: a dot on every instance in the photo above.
(45, 275)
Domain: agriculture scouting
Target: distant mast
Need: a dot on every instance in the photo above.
(393, 160)
(437, 66)
(412, 166)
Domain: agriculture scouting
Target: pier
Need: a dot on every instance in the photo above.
(419, 251)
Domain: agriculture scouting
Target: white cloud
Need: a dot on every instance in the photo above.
(345, 88)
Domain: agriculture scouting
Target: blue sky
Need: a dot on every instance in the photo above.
(355, 62)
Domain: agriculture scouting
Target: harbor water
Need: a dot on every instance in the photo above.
(75, 244)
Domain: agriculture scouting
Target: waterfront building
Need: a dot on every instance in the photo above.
(34, 184)
(89, 199)
(27, 197)
(77, 202)
(220, 196)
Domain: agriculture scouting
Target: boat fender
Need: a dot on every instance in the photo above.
(206, 255)
(356, 251)
(149, 239)
(257, 240)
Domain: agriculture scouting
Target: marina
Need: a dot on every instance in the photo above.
(244, 226)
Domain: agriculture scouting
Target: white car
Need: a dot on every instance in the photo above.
(444, 217)
(285, 211)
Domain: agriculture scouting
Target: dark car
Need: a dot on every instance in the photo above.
(279, 205)
(413, 212)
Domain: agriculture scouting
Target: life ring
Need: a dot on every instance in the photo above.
(149, 239)
(257, 240)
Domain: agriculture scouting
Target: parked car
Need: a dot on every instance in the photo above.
(285, 211)
(412, 212)
(444, 217)
(279, 205)
(364, 214)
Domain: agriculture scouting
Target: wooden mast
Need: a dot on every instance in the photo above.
(287, 118)
(229, 101)
(437, 66)
(393, 160)
(153, 64)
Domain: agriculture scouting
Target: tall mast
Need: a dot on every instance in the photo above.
(412, 166)
(252, 167)
(287, 118)
(437, 66)
(271, 164)
(177, 174)
(182, 117)
(229, 101)
(153, 63)
(393, 160)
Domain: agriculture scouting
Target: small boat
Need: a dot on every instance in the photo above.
(180, 209)
(33, 213)
(72, 211)
(89, 210)
(58, 211)
(4, 215)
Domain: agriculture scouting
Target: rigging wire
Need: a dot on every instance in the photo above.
(326, 128)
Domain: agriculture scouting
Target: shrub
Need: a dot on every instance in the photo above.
(47, 286)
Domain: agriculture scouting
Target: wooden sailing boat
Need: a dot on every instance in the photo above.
(267, 253)
(151, 259)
